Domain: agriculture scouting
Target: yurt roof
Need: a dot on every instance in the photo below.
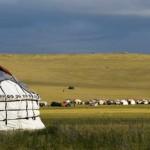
(5, 70)
(5, 74)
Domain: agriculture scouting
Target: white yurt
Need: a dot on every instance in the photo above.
(19, 106)
(124, 102)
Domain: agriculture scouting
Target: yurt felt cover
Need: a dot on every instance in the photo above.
(19, 107)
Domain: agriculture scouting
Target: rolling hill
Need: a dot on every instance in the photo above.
(92, 75)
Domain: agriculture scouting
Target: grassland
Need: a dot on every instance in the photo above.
(93, 75)
(87, 128)
(102, 128)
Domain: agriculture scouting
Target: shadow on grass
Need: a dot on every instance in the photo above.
(81, 135)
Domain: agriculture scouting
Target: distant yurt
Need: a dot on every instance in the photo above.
(19, 106)
(124, 102)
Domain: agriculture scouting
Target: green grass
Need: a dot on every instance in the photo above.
(102, 128)
(93, 75)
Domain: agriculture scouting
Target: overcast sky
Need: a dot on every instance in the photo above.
(73, 26)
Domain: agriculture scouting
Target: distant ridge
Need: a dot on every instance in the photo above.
(72, 51)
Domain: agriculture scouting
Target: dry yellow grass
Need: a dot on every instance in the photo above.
(138, 111)
(93, 75)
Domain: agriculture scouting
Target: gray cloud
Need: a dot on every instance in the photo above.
(79, 34)
(99, 7)
(74, 26)
(21, 13)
